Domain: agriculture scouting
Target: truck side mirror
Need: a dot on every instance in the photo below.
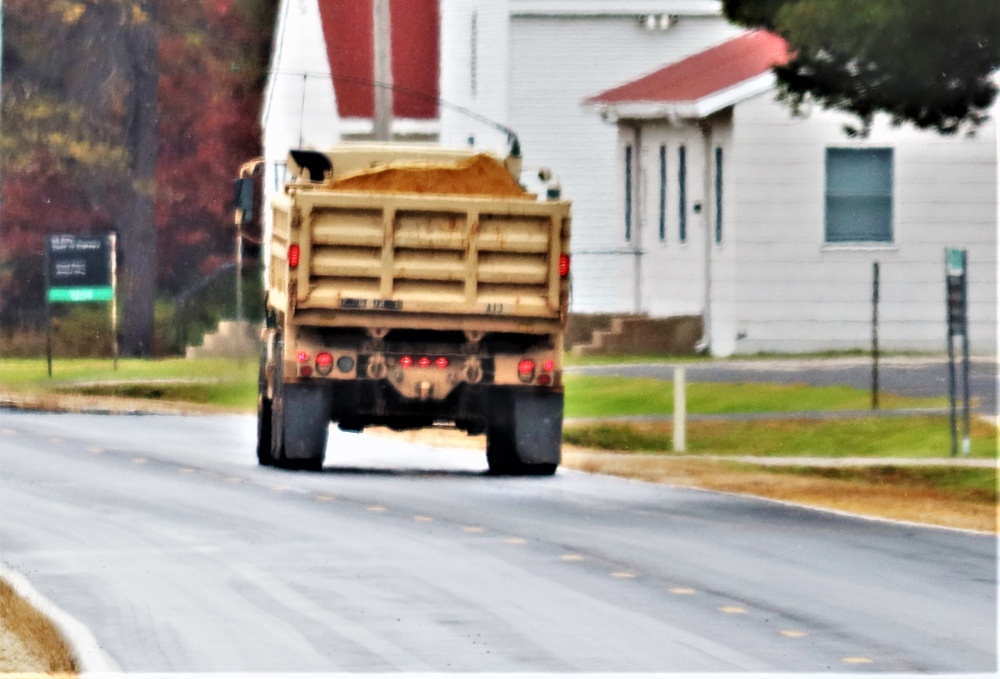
(243, 200)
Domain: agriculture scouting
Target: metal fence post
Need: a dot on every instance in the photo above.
(680, 411)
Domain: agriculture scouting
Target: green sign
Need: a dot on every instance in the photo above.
(97, 294)
(956, 261)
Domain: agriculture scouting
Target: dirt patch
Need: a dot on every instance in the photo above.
(29, 643)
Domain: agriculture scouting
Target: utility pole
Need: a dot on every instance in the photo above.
(1, 97)
(382, 34)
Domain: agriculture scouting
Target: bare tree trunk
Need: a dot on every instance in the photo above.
(135, 220)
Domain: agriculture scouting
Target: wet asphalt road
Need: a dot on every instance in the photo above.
(165, 539)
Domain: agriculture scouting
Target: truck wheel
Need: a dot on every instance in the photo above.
(526, 440)
(264, 451)
(300, 421)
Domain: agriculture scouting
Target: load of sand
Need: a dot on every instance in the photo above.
(479, 175)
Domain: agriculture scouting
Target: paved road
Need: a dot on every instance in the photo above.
(162, 536)
(898, 375)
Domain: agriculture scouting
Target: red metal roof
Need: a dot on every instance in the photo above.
(347, 28)
(704, 73)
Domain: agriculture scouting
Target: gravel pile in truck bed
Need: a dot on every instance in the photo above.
(479, 175)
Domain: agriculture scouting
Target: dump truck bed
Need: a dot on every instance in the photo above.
(473, 263)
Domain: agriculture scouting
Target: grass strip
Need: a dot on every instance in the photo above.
(964, 498)
(868, 437)
(600, 396)
(29, 642)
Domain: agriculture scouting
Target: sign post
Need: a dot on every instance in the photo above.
(875, 300)
(956, 278)
(80, 269)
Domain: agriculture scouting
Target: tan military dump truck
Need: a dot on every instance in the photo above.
(409, 287)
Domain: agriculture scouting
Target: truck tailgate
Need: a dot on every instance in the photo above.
(412, 254)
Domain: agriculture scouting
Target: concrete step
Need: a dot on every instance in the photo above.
(232, 339)
(643, 335)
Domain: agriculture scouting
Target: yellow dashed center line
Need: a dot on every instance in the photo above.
(233, 479)
(571, 557)
(793, 633)
(9, 432)
(376, 508)
(422, 519)
(324, 498)
(733, 610)
(515, 541)
(622, 574)
(681, 591)
(56, 439)
(278, 489)
(94, 450)
(858, 661)
(139, 460)
(186, 470)
(473, 529)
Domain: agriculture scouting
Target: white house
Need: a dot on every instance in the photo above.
(321, 85)
(528, 64)
(770, 224)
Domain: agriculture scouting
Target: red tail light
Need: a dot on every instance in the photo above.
(324, 363)
(563, 265)
(526, 367)
(549, 366)
(302, 356)
(294, 253)
(406, 361)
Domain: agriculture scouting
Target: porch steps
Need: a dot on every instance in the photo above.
(632, 334)
(232, 339)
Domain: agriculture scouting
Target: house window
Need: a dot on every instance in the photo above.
(628, 192)
(682, 192)
(474, 54)
(858, 195)
(718, 194)
(663, 193)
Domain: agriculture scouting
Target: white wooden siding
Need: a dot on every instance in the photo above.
(537, 63)
(797, 293)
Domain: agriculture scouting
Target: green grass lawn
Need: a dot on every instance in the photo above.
(599, 396)
(222, 382)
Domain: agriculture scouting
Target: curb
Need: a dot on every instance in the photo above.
(89, 656)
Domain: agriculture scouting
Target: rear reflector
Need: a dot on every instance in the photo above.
(563, 265)
(294, 253)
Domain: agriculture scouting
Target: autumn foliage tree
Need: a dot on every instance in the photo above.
(931, 63)
(128, 116)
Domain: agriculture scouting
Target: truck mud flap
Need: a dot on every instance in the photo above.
(305, 414)
(537, 420)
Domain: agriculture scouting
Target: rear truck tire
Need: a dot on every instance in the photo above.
(526, 438)
(264, 439)
(300, 422)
